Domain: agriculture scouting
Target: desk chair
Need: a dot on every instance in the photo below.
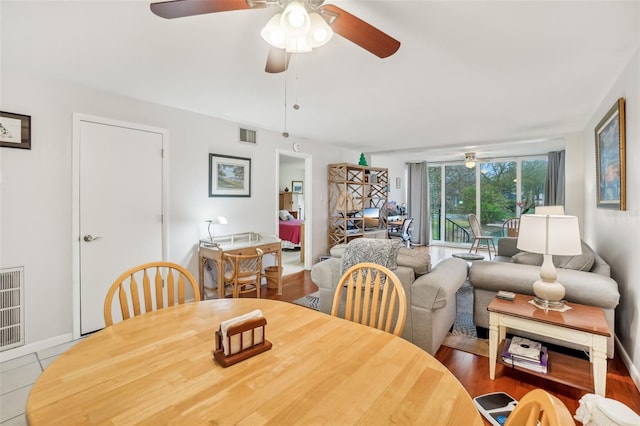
(169, 282)
(510, 227)
(404, 232)
(372, 292)
(478, 238)
(539, 407)
(243, 273)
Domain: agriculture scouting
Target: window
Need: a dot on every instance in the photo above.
(493, 190)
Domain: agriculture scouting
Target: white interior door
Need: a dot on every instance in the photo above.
(120, 209)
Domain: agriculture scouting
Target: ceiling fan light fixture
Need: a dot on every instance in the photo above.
(295, 19)
(297, 44)
(273, 33)
(320, 32)
(470, 160)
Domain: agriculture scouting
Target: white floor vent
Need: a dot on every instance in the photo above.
(11, 307)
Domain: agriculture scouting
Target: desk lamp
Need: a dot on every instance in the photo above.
(219, 220)
(549, 235)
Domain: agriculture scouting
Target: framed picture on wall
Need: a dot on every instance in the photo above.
(15, 130)
(610, 158)
(296, 186)
(229, 176)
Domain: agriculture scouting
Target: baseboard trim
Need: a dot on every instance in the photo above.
(35, 347)
(633, 371)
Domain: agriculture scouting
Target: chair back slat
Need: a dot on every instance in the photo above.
(371, 294)
(171, 298)
(129, 292)
(124, 303)
(146, 287)
(158, 287)
(180, 289)
(135, 297)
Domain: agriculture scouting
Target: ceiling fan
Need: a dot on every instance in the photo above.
(332, 19)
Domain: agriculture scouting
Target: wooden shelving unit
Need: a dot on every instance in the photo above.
(352, 188)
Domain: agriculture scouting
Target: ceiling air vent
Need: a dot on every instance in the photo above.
(248, 136)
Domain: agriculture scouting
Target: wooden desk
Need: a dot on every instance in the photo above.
(583, 325)
(157, 368)
(244, 243)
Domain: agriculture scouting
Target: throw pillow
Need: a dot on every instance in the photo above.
(382, 252)
(580, 262)
(284, 215)
(418, 260)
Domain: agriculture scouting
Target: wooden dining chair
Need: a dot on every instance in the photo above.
(539, 407)
(372, 293)
(243, 273)
(478, 238)
(136, 292)
(510, 227)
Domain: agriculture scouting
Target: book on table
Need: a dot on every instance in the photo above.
(540, 366)
(524, 348)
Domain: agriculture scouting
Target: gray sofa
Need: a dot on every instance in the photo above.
(431, 293)
(586, 279)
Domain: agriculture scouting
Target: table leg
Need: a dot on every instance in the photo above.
(202, 261)
(493, 344)
(278, 254)
(599, 365)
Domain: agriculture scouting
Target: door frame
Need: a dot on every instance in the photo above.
(308, 200)
(75, 199)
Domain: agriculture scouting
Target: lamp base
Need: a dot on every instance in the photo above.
(545, 304)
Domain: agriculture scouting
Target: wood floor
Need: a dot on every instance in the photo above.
(473, 371)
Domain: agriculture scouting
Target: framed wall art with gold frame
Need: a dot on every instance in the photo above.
(610, 158)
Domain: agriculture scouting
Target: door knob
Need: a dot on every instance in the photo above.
(88, 238)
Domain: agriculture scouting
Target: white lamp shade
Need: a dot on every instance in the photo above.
(273, 33)
(549, 234)
(320, 32)
(550, 210)
(295, 20)
(219, 220)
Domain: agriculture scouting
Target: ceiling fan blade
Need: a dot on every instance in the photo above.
(359, 32)
(181, 8)
(277, 60)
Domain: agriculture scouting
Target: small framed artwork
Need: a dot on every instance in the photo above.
(610, 158)
(296, 186)
(398, 182)
(229, 176)
(15, 130)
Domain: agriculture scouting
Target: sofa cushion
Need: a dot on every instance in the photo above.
(418, 260)
(581, 262)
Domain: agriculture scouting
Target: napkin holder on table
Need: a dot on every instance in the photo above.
(244, 339)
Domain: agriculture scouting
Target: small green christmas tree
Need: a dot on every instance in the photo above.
(363, 160)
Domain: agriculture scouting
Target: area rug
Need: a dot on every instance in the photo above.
(309, 301)
(463, 336)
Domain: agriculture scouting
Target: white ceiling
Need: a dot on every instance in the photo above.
(469, 75)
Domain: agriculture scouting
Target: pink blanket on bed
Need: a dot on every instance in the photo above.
(290, 230)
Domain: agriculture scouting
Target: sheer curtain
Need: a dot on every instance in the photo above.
(418, 202)
(554, 184)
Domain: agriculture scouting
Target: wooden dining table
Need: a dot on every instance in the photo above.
(157, 368)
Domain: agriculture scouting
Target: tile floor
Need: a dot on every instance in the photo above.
(16, 378)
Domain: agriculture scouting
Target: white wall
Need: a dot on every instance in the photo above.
(35, 187)
(615, 234)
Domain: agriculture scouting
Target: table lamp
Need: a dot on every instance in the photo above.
(219, 220)
(549, 235)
